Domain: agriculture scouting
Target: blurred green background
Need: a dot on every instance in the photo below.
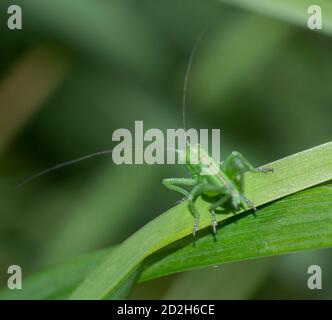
(81, 69)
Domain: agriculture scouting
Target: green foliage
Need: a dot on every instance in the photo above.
(269, 93)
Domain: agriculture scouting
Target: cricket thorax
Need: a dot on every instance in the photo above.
(199, 161)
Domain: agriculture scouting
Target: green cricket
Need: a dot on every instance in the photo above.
(227, 182)
(225, 186)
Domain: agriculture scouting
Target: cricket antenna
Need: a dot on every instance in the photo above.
(100, 153)
(62, 165)
(186, 78)
(73, 161)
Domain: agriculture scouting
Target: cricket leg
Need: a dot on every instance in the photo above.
(214, 206)
(235, 166)
(214, 222)
(195, 192)
(249, 203)
(177, 184)
(236, 163)
(219, 202)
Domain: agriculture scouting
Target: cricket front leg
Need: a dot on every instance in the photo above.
(213, 207)
(178, 184)
(195, 192)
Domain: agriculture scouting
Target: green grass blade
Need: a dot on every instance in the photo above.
(298, 222)
(302, 215)
(292, 174)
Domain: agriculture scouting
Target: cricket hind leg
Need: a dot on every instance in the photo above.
(250, 204)
(235, 166)
(236, 163)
